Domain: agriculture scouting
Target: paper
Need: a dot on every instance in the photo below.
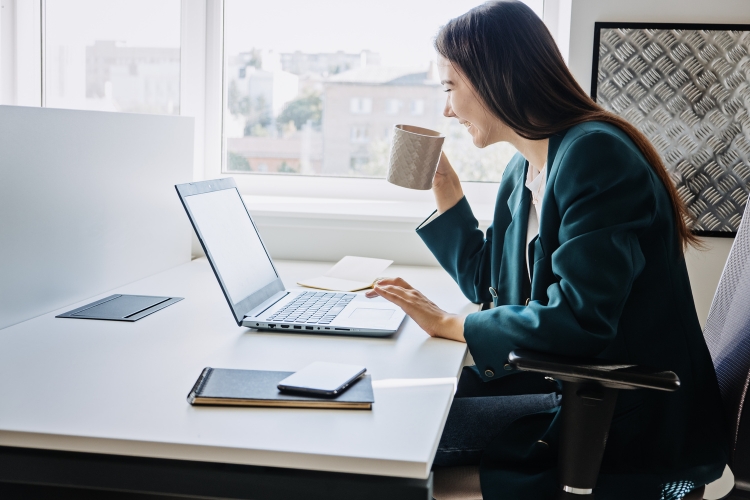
(350, 274)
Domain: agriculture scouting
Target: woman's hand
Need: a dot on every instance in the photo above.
(445, 186)
(432, 319)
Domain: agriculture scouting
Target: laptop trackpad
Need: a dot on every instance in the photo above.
(368, 314)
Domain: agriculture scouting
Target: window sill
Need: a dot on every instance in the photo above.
(326, 229)
(406, 212)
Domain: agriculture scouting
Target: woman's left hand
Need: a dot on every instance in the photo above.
(432, 319)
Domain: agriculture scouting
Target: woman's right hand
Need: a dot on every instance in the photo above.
(445, 186)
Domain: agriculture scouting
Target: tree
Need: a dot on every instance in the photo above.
(237, 163)
(256, 58)
(376, 165)
(237, 104)
(285, 168)
(300, 110)
(258, 118)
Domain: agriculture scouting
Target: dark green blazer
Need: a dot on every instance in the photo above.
(608, 281)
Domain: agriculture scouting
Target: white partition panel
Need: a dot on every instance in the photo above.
(87, 204)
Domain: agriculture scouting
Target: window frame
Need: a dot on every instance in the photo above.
(295, 185)
(21, 61)
(202, 97)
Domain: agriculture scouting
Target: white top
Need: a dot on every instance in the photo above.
(536, 182)
(119, 388)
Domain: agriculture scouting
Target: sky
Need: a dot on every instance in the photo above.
(138, 23)
(401, 31)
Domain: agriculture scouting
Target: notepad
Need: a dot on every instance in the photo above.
(350, 274)
(225, 387)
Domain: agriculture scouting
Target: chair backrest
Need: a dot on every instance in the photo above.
(727, 334)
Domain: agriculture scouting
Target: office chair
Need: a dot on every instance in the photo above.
(590, 392)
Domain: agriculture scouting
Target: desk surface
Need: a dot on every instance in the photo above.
(120, 388)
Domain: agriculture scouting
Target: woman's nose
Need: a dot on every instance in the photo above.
(448, 111)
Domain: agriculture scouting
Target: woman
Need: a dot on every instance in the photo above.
(584, 258)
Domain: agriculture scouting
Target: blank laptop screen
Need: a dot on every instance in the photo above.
(233, 242)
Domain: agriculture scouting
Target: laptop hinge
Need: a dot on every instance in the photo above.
(266, 307)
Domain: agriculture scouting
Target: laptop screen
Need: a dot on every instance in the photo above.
(232, 243)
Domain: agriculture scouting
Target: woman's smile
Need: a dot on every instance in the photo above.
(463, 104)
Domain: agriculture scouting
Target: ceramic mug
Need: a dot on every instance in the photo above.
(415, 154)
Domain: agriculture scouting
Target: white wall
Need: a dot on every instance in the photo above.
(704, 267)
(87, 204)
(586, 12)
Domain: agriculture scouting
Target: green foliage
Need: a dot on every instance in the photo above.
(256, 130)
(237, 105)
(256, 58)
(300, 110)
(285, 168)
(376, 165)
(257, 114)
(258, 119)
(237, 163)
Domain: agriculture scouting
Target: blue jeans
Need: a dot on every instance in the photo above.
(481, 410)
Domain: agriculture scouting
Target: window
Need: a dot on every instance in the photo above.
(393, 106)
(119, 55)
(360, 105)
(312, 84)
(359, 133)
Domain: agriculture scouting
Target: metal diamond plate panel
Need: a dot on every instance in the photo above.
(688, 90)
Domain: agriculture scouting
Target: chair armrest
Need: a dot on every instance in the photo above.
(612, 375)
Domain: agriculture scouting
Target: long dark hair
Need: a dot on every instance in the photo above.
(513, 63)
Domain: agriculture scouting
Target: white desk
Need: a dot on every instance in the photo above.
(119, 388)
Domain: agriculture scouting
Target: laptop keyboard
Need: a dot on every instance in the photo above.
(319, 308)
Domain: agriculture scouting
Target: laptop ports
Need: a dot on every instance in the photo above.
(284, 326)
(271, 325)
(309, 328)
(298, 328)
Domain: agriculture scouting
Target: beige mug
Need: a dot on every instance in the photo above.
(415, 154)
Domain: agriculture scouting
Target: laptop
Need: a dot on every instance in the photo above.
(251, 284)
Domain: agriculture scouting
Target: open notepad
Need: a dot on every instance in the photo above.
(350, 274)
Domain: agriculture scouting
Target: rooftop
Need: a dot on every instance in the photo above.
(387, 75)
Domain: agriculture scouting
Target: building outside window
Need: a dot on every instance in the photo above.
(309, 86)
(360, 105)
(359, 133)
(113, 56)
(393, 106)
(417, 107)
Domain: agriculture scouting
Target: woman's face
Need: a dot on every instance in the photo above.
(464, 104)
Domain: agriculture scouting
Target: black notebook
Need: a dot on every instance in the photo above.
(219, 386)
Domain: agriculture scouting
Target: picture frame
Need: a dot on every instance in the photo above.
(687, 88)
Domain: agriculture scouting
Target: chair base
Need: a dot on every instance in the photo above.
(585, 415)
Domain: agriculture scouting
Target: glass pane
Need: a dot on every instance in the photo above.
(315, 88)
(118, 55)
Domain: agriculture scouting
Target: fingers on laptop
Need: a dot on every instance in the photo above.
(393, 281)
(381, 282)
